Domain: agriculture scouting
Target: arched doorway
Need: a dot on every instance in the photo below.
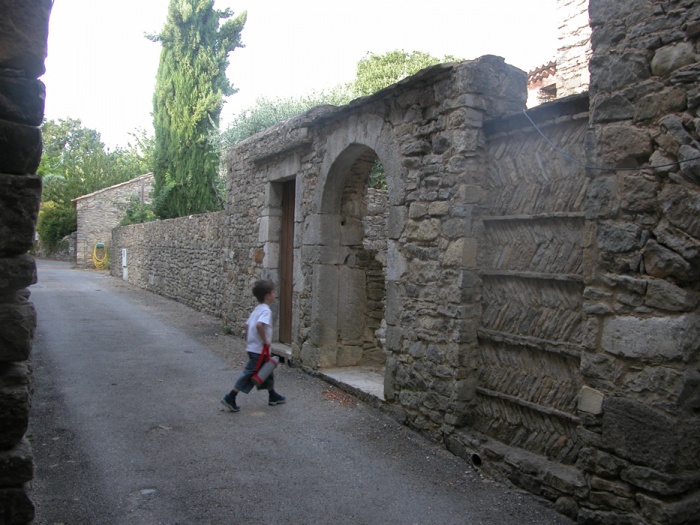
(353, 281)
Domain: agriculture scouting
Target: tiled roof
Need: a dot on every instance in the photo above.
(540, 73)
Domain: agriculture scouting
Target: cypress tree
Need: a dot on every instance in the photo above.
(190, 88)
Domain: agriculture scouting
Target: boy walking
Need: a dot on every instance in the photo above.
(258, 335)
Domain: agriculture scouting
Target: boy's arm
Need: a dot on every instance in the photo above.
(261, 331)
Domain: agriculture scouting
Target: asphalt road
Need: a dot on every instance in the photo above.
(127, 429)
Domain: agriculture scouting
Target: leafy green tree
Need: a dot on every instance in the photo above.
(54, 223)
(190, 88)
(137, 212)
(375, 72)
(75, 162)
(267, 112)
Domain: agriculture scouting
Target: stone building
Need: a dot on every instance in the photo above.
(99, 212)
(567, 74)
(23, 35)
(534, 302)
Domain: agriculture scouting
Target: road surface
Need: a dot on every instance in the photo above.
(127, 429)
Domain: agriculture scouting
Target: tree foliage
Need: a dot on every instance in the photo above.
(74, 162)
(136, 212)
(375, 72)
(267, 112)
(54, 223)
(190, 88)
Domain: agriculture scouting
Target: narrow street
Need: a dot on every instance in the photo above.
(127, 429)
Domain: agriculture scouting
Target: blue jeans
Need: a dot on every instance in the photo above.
(245, 384)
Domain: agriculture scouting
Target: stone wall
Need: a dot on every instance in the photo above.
(177, 258)
(538, 284)
(102, 210)
(530, 228)
(23, 34)
(574, 51)
(641, 431)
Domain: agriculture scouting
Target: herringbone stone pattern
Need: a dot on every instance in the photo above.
(537, 308)
(551, 246)
(531, 261)
(531, 430)
(528, 176)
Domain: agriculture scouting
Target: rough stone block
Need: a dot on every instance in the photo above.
(682, 208)
(21, 151)
(14, 414)
(396, 261)
(324, 306)
(590, 400)
(659, 482)
(395, 221)
(625, 146)
(19, 202)
(659, 104)
(612, 108)
(352, 233)
(639, 433)
(685, 510)
(17, 508)
(425, 230)
(669, 58)
(16, 273)
(16, 465)
(653, 338)
(393, 338)
(677, 241)
(661, 262)
(24, 29)
(392, 303)
(601, 200)
(348, 356)
(19, 322)
(22, 100)
(664, 295)
(352, 299)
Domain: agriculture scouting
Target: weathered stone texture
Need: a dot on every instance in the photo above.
(23, 35)
(645, 289)
(574, 49)
(178, 258)
(19, 200)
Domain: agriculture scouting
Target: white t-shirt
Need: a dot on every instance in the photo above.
(261, 314)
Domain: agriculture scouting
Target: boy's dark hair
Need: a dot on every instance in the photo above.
(261, 288)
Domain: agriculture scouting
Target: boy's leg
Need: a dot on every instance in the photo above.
(229, 401)
(243, 383)
(275, 398)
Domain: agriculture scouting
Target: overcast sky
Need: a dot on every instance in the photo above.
(101, 69)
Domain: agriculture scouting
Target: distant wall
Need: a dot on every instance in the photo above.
(574, 51)
(177, 258)
(102, 210)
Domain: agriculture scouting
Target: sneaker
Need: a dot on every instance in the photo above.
(276, 399)
(230, 403)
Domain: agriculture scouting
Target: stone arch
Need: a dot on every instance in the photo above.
(352, 268)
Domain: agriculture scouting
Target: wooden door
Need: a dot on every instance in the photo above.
(286, 262)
